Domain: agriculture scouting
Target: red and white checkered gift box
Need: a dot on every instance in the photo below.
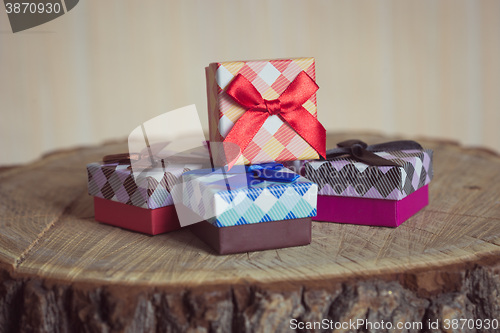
(276, 140)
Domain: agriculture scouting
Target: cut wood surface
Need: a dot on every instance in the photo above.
(73, 273)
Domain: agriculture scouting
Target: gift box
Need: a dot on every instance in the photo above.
(242, 212)
(381, 185)
(148, 221)
(267, 108)
(140, 204)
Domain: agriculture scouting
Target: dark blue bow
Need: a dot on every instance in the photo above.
(255, 174)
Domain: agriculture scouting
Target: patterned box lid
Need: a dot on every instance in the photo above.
(344, 176)
(227, 199)
(275, 140)
(115, 182)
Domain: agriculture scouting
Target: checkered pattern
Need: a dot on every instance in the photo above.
(275, 141)
(116, 182)
(346, 177)
(236, 204)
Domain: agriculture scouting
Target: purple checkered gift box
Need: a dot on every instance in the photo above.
(347, 177)
(114, 181)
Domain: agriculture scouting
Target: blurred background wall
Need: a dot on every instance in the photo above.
(405, 68)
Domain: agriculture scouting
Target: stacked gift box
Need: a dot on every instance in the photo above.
(267, 108)
(266, 111)
(250, 208)
(380, 185)
(124, 201)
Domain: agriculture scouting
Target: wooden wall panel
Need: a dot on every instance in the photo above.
(405, 68)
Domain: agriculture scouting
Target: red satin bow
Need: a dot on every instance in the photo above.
(288, 107)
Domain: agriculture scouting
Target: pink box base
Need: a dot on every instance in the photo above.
(376, 212)
(148, 221)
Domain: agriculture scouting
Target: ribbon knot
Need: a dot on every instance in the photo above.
(362, 152)
(288, 106)
(357, 149)
(273, 106)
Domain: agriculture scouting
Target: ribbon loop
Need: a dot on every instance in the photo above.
(123, 158)
(272, 172)
(396, 145)
(362, 152)
(350, 143)
(254, 174)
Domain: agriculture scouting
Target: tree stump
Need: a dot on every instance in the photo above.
(61, 271)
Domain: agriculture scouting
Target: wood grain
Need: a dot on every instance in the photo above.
(56, 259)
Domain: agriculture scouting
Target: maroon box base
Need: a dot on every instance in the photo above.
(148, 221)
(256, 236)
(376, 212)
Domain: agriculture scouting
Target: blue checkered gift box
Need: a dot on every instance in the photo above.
(236, 198)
